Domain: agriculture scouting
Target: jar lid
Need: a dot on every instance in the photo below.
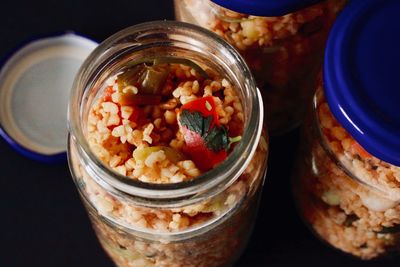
(267, 8)
(35, 84)
(361, 75)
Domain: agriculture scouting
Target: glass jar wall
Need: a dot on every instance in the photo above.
(283, 52)
(347, 182)
(200, 216)
(348, 197)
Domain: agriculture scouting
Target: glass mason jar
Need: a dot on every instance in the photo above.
(347, 181)
(205, 221)
(283, 47)
(343, 193)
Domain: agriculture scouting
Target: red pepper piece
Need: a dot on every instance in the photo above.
(204, 105)
(204, 158)
(195, 146)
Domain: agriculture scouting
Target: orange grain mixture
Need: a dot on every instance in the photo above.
(274, 47)
(283, 53)
(143, 139)
(352, 203)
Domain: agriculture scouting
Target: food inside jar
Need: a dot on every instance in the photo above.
(284, 53)
(350, 198)
(161, 122)
(170, 130)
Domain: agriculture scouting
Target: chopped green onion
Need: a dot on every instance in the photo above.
(234, 140)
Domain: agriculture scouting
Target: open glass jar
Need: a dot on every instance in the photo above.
(281, 41)
(347, 181)
(203, 219)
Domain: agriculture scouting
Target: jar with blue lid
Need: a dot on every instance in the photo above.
(347, 180)
(281, 41)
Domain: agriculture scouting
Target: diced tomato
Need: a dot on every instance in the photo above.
(204, 158)
(195, 146)
(204, 105)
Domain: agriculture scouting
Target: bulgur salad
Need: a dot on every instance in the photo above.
(175, 126)
(168, 121)
(349, 197)
(283, 52)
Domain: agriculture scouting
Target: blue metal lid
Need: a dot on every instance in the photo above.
(35, 85)
(361, 75)
(265, 8)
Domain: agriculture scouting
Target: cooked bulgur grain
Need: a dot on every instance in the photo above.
(283, 52)
(349, 197)
(118, 128)
(148, 144)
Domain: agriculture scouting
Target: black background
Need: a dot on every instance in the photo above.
(43, 222)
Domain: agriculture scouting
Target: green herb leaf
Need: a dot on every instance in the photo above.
(215, 138)
(195, 121)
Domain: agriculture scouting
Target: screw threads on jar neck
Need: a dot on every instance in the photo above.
(342, 159)
(164, 38)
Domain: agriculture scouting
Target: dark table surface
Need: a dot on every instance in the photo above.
(43, 222)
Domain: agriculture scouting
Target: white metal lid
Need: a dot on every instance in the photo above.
(35, 85)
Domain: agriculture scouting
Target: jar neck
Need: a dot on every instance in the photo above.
(154, 39)
(352, 174)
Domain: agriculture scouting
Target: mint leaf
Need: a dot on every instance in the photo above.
(217, 139)
(206, 125)
(195, 121)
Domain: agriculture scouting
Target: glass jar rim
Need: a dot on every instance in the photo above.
(209, 183)
(336, 160)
